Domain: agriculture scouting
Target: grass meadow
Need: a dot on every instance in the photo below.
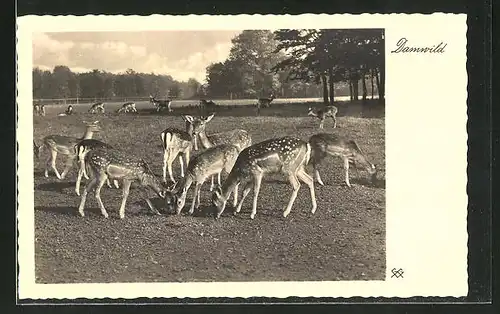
(343, 240)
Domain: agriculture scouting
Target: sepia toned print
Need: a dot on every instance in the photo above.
(289, 126)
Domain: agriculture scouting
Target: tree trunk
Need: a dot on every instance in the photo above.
(381, 91)
(365, 92)
(377, 81)
(331, 86)
(325, 89)
(351, 96)
(371, 79)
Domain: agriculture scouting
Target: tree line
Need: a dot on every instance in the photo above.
(62, 83)
(301, 63)
(288, 63)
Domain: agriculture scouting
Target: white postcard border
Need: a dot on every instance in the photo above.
(426, 158)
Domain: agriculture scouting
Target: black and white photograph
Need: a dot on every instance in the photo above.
(257, 128)
(225, 155)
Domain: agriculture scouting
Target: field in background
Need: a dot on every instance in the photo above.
(343, 240)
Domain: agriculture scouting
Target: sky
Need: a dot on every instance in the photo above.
(181, 54)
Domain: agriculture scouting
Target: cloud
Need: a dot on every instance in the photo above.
(180, 54)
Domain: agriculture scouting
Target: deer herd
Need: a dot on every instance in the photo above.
(232, 153)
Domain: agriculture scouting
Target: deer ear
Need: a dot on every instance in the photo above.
(210, 117)
(162, 194)
(188, 118)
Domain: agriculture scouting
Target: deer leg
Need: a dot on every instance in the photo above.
(115, 182)
(52, 160)
(86, 191)
(78, 180)
(306, 178)
(212, 183)
(108, 183)
(166, 154)
(316, 171)
(246, 190)
(181, 162)
(195, 198)
(321, 123)
(256, 190)
(235, 195)
(334, 122)
(218, 178)
(170, 161)
(100, 182)
(296, 186)
(69, 163)
(125, 192)
(346, 168)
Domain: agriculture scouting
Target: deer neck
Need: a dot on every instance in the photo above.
(205, 141)
(88, 134)
(230, 183)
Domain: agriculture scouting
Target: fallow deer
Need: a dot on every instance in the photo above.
(238, 137)
(127, 107)
(322, 114)
(97, 108)
(67, 112)
(207, 106)
(113, 164)
(39, 110)
(81, 150)
(264, 102)
(176, 143)
(161, 104)
(65, 145)
(287, 155)
(324, 144)
(206, 164)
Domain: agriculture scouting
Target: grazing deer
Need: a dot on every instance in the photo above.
(39, 110)
(322, 114)
(67, 112)
(286, 155)
(81, 150)
(324, 144)
(207, 106)
(264, 102)
(238, 137)
(175, 142)
(115, 165)
(161, 104)
(65, 145)
(97, 108)
(127, 107)
(206, 164)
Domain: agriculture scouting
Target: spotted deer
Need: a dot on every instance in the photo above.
(39, 110)
(208, 163)
(322, 114)
(113, 164)
(127, 107)
(324, 144)
(65, 145)
(97, 108)
(238, 137)
(287, 155)
(264, 102)
(81, 150)
(176, 143)
(67, 112)
(161, 104)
